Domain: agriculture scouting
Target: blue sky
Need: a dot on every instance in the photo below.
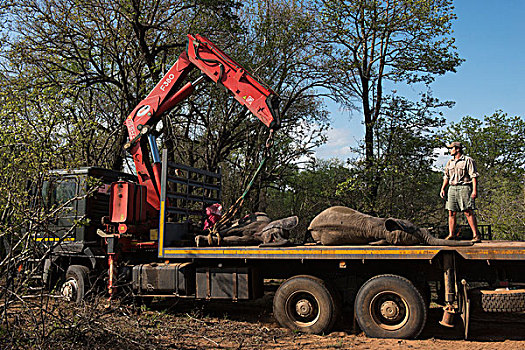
(490, 37)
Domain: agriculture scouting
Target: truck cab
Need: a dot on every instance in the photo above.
(77, 199)
(81, 199)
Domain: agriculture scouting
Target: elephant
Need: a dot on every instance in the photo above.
(341, 226)
(254, 229)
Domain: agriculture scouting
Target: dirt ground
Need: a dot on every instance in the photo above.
(185, 324)
(250, 325)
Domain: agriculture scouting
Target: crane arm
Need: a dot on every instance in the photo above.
(202, 54)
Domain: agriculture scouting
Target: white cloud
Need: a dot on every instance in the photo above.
(442, 158)
(338, 144)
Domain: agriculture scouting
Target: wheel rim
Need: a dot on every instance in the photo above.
(389, 310)
(69, 289)
(302, 308)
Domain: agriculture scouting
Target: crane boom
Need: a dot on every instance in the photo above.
(202, 54)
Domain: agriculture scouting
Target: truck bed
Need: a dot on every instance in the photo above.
(489, 250)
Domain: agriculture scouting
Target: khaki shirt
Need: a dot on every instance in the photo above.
(460, 171)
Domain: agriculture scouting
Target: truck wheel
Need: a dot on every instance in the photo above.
(503, 301)
(76, 283)
(390, 306)
(306, 304)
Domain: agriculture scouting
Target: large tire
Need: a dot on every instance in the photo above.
(306, 304)
(76, 283)
(390, 306)
(503, 301)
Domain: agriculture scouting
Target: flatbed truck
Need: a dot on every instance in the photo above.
(387, 287)
(134, 233)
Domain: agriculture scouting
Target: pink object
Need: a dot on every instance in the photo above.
(214, 214)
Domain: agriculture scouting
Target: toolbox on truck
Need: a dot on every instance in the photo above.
(236, 283)
(178, 279)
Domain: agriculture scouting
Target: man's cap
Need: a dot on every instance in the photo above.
(455, 144)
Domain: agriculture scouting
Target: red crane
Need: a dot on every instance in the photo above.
(202, 54)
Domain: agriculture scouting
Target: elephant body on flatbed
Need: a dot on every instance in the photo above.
(344, 226)
(253, 229)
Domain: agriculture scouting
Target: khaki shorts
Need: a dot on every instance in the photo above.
(459, 198)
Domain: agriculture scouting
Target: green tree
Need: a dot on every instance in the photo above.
(497, 146)
(405, 142)
(375, 42)
(308, 191)
(102, 57)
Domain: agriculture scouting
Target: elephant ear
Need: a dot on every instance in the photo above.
(392, 224)
(398, 224)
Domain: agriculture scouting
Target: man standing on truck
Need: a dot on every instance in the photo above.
(462, 178)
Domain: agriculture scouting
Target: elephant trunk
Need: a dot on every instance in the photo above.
(431, 240)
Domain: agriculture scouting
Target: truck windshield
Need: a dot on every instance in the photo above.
(58, 192)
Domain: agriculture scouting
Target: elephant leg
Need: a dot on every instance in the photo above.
(274, 237)
(239, 240)
(204, 241)
(380, 242)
